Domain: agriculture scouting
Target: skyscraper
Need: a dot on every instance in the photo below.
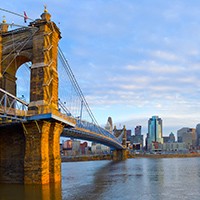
(155, 130)
(109, 125)
(198, 134)
(138, 130)
(188, 136)
(171, 137)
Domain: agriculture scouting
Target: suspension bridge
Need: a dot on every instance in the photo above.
(57, 107)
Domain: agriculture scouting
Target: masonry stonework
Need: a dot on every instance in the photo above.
(30, 151)
(12, 151)
(42, 155)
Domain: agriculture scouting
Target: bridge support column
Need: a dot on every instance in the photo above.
(12, 149)
(120, 155)
(42, 159)
(54, 152)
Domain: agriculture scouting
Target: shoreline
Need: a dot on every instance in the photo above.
(188, 155)
(85, 158)
(136, 156)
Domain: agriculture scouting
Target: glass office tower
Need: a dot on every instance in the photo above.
(155, 130)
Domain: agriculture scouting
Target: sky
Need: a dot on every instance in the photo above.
(132, 59)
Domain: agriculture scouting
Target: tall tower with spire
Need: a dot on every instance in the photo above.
(109, 125)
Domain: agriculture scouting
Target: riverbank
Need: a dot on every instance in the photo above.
(85, 158)
(188, 155)
(108, 157)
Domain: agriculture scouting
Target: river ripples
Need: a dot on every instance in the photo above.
(133, 179)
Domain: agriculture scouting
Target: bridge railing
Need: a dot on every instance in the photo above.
(92, 132)
(11, 106)
(95, 128)
(16, 108)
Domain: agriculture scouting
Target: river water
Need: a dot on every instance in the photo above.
(133, 179)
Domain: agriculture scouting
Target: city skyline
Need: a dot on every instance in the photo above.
(132, 60)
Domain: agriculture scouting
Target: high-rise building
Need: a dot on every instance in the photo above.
(109, 125)
(128, 135)
(155, 131)
(137, 139)
(171, 137)
(187, 136)
(99, 148)
(138, 130)
(198, 134)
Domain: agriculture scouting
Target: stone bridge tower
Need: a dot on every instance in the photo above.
(38, 44)
(33, 153)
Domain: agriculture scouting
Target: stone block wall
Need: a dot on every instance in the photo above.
(12, 151)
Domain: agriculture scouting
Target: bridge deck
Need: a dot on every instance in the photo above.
(69, 121)
(81, 133)
(28, 115)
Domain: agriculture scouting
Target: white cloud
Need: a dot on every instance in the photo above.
(155, 67)
(164, 55)
(131, 60)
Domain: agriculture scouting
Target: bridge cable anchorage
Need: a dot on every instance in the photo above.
(16, 54)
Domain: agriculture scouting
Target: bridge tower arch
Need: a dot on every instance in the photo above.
(38, 44)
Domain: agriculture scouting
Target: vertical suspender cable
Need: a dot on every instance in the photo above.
(75, 83)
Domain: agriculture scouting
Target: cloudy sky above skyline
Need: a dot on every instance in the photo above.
(132, 59)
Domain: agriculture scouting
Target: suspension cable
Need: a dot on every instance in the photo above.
(66, 66)
(14, 13)
(17, 25)
(25, 42)
(19, 44)
(75, 83)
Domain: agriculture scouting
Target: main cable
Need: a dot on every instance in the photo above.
(76, 85)
(14, 13)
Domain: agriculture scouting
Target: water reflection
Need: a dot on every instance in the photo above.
(149, 179)
(30, 192)
(153, 179)
(92, 180)
(110, 174)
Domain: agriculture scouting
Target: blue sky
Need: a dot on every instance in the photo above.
(132, 59)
